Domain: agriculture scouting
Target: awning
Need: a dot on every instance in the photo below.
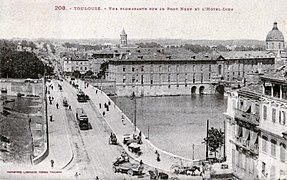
(246, 133)
(239, 131)
(253, 137)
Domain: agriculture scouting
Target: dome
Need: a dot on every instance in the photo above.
(275, 34)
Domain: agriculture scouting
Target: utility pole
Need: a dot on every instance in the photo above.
(224, 132)
(192, 151)
(206, 151)
(135, 120)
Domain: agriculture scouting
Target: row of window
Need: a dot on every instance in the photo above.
(273, 147)
(281, 115)
(168, 68)
(243, 162)
(168, 78)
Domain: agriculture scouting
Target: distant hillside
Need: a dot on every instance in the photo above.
(240, 42)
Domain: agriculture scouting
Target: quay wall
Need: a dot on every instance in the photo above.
(15, 86)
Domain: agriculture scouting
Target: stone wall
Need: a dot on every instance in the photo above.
(19, 86)
(165, 90)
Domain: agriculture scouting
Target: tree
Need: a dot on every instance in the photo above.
(215, 140)
(89, 73)
(76, 74)
(103, 70)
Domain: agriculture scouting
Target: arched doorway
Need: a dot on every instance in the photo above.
(193, 89)
(201, 90)
(220, 89)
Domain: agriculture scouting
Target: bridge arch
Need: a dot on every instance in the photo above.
(201, 89)
(193, 90)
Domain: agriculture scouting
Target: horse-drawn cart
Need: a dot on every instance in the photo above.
(129, 168)
(113, 139)
(185, 169)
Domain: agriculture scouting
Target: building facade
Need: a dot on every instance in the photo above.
(258, 133)
(82, 64)
(155, 72)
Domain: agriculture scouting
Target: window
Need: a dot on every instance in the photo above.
(124, 68)
(272, 172)
(193, 67)
(185, 67)
(264, 112)
(124, 80)
(273, 147)
(133, 69)
(177, 67)
(85, 68)
(142, 68)
(264, 143)
(273, 115)
(282, 152)
(263, 168)
(201, 67)
(168, 67)
(284, 92)
(209, 67)
(283, 117)
(168, 78)
(201, 77)
(133, 79)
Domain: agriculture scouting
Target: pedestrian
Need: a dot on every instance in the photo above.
(57, 105)
(104, 113)
(156, 173)
(96, 91)
(100, 105)
(50, 102)
(123, 118)
(51, 117)
(97, 178)
(158, 158)
(109, 103)
(52, 163)
(141, 162)
(70, 108)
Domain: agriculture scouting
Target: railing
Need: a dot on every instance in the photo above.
(247, 117)
(254, 148)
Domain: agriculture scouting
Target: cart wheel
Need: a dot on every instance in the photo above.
(115, 169)
(130, 172)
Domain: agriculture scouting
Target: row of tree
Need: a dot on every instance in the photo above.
(14, 64)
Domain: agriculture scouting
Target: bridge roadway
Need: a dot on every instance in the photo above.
(93, 154)
(113, 119)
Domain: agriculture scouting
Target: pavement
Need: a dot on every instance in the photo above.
(113, 118)
(60, 150)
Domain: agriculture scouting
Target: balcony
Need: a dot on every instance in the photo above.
(246, 145)
(247, 117)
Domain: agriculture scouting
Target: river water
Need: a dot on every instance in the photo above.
(175, 123)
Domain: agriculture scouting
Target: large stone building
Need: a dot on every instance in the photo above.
(167, 71)
(82, 63)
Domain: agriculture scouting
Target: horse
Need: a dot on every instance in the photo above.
(193, 169)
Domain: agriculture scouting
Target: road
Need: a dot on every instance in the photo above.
(93, 154)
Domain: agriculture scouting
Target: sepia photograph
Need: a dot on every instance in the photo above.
(143, 89)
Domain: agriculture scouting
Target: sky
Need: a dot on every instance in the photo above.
(249, 19)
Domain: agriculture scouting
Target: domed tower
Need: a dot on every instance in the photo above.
(275, 39)
(124, 38)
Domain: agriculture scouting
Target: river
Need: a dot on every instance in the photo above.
(175, 123)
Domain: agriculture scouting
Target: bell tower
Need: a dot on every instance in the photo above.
(124, 38)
